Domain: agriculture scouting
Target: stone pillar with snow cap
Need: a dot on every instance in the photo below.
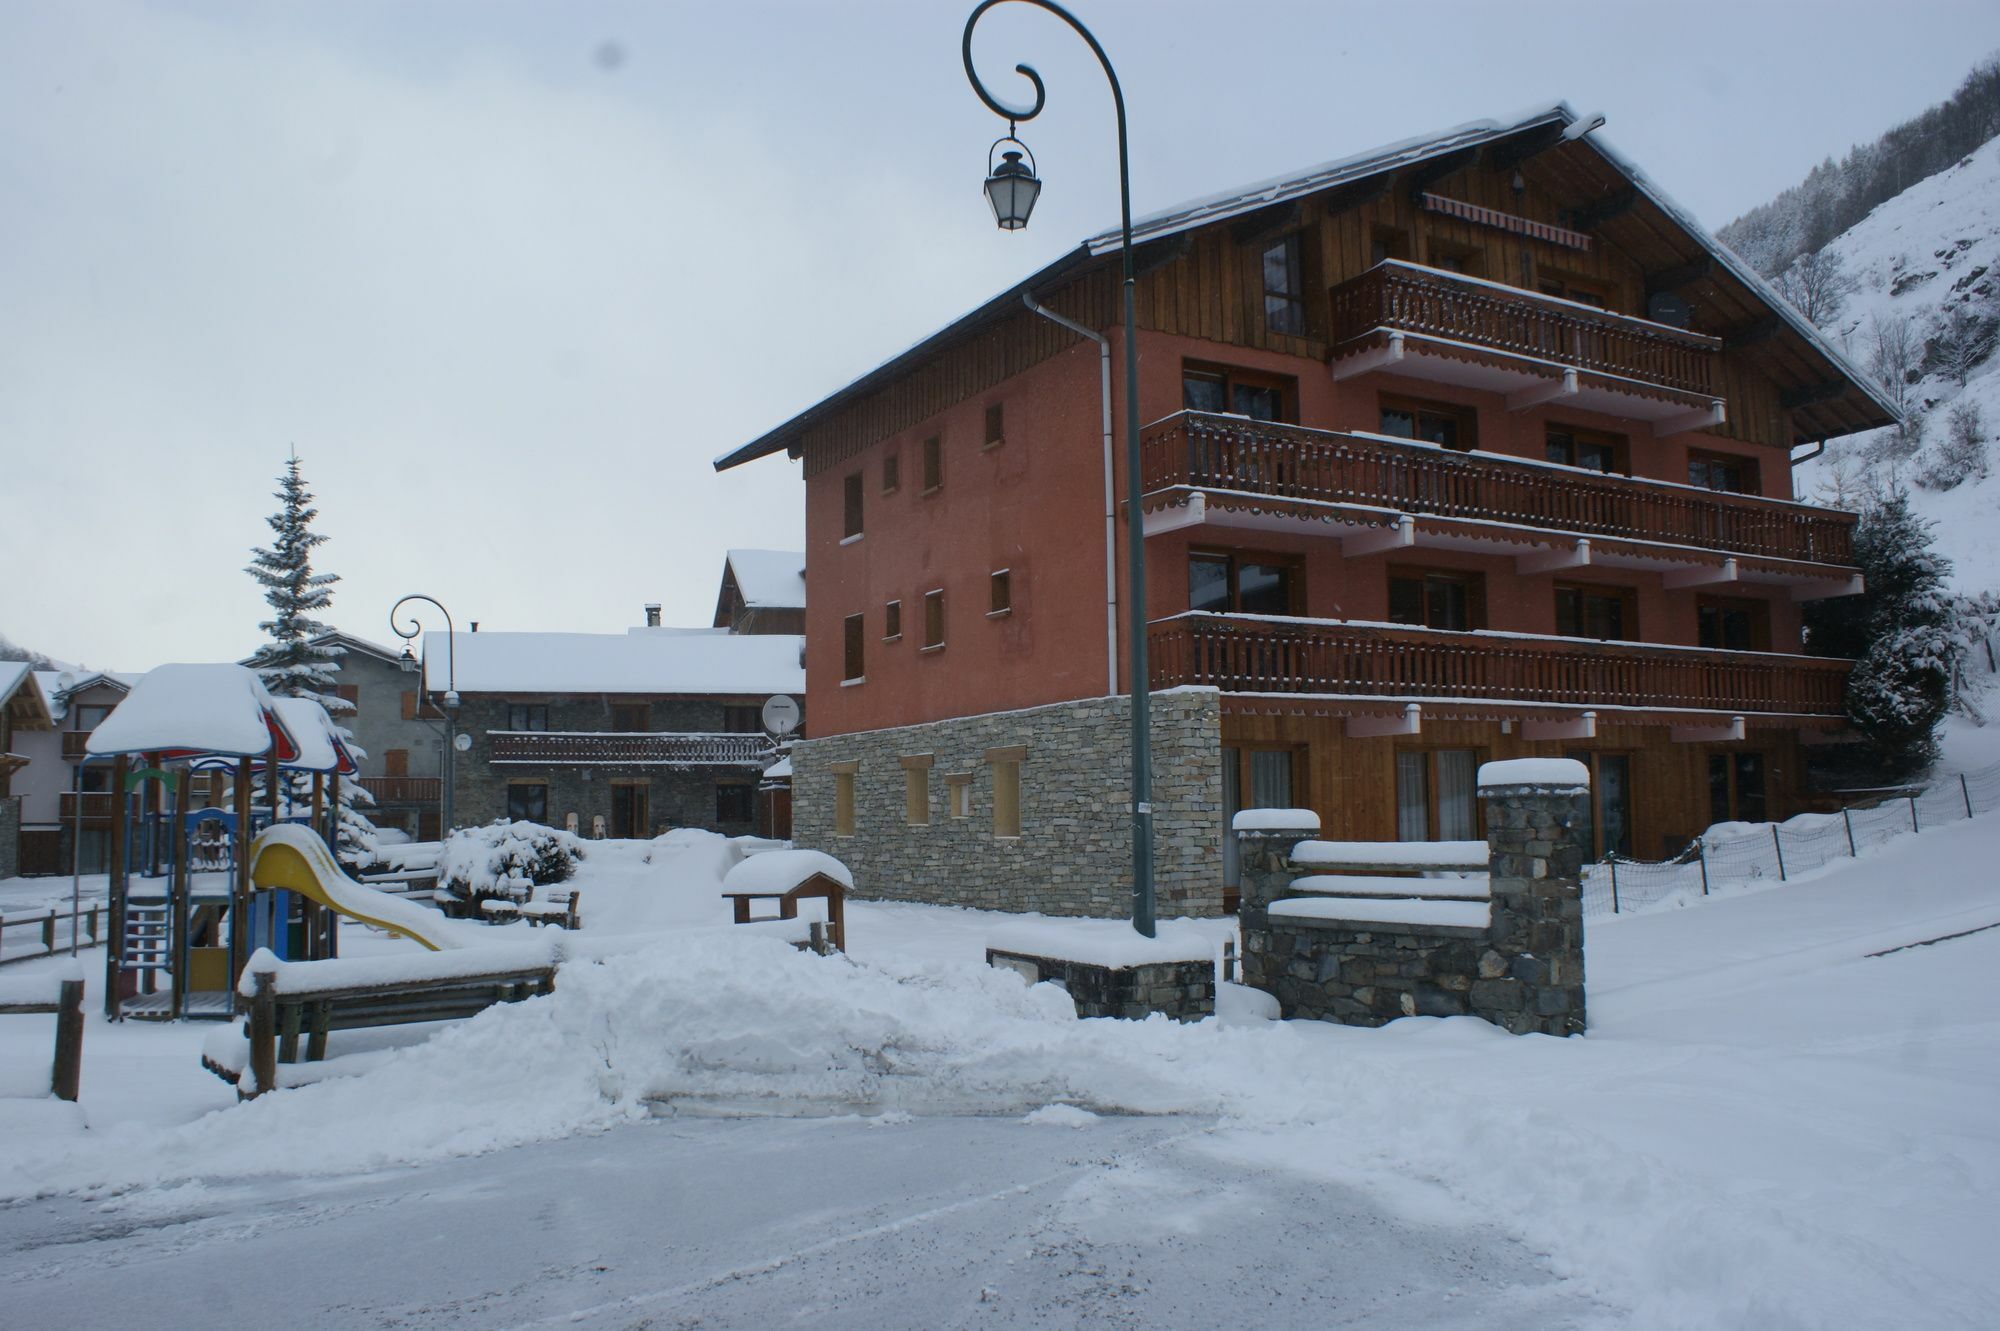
(1265, 839)
(1530, 976)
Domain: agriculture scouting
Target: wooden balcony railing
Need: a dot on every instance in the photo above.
(1246, 655)
(1291, 462)
(96, 804)
(73, 742)
(403, 789)
(639, 749)
(1405, 297)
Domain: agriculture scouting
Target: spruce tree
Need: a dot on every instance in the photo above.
(294, 664)
(1901, 632)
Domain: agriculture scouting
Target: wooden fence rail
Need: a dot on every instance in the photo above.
(85, 920)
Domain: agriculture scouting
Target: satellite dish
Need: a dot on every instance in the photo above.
(781, 714)
(462, 742)
(1664, 307)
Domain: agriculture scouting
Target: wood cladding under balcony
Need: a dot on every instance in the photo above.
(1246, 655)
(1291, 462)
(558, 748)
(1406, 298)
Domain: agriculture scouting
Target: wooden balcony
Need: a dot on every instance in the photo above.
(403, 789)
(565, 748)
(73, 742)
(1231, 453)
(1241, 654)
(96, 806)
(1460, 329)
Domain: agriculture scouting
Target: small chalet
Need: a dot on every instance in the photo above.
(22, 709)
(65, 800)
(763, 591)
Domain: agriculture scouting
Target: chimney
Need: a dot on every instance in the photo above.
(652, 614)
(475, 626)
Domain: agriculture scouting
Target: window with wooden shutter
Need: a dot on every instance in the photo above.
(853, 663)
(934, 620)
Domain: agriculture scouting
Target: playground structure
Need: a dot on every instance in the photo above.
(191, 895)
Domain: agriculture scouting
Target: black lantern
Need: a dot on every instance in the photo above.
(1011, 186)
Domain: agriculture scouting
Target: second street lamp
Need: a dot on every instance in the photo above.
(1012, 188)
(450, 700)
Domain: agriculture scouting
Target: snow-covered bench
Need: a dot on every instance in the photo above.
(290, 999)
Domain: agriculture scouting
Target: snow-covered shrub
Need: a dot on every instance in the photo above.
(1961, 455)
(480, 862)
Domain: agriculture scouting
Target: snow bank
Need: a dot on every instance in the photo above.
(783, 870)
(1101, 942)
(1275, 820)
(1561, 773)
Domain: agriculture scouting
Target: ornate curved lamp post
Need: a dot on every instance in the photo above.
(409, 664)
(1012, 188)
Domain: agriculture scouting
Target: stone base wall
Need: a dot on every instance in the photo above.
(10, 836)
(1184, 990)
(1074, 854)
(1365, 976)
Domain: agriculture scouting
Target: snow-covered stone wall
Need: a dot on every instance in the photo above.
(1074, 852)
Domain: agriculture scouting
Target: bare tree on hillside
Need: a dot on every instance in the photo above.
(1963, 340)
(1893, 354)
(1817, 284)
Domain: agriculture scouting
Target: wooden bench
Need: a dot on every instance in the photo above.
(819, 886)
(559, 909)
(278, 1019)
(67, 1073)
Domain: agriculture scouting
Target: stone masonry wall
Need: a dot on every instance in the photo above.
(1523, 973)
(1183, 990)
(10, 836)
(1074, 854)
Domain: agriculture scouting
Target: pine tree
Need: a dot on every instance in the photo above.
(294, 664)
(1900, 628)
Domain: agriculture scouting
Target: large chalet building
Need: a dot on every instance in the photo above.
(1472, 447)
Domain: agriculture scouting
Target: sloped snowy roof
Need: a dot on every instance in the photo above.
(769, 579)
(1327, 175)
(318, 739)
(11, 675)
(642, 661)
(221, 708)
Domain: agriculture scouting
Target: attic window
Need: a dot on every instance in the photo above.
(850, 517)
(996, 434)
(1284, 287)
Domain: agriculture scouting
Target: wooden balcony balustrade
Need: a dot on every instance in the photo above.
(96, 804)
(1246, 655)
(1409, 298)
(73, 742)
(403, 789)
(559, 748)
(1292, 462)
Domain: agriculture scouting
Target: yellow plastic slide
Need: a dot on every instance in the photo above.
(290, 856)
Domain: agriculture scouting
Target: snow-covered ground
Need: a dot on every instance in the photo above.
(1766, 1127)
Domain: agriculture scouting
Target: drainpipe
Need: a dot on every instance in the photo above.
(1110, 494)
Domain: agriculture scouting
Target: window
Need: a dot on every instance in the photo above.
(933, 463)
(892, 472)
(1388, 242)
(1223, 388)
(396, 762)
(1455, 258)
(1001, 592)
(1582, 291)
(1437, 600)
(1590, 449)
(933, 620)
(843, 799)
(853, 666)
(528, 803)
(631, 717)
(348, 693)
(1442, 423)
(996, 433)
(1225, 583)
(628, 809)
(958, 794)
(850, 518)
(735, 803)
(917, 790)
(1719, 471)
(892, 621)
(1610, 804)
(1733, 624)
(1006, 764)
(90, 715)
(527, 716)
(1609, 614)
(1284, 287)
(742, 719)
(1736, 788)
(1436, 795)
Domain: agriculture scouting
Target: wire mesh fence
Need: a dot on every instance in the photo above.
(1736, 853)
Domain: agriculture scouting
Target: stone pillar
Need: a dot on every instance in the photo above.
(1530, 976)
(1265, 839)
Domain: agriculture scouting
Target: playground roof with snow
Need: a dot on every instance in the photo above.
(221, 709)
(647, 661)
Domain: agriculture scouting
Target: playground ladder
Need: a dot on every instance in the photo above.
(147, 926)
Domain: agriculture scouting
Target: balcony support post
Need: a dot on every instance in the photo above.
(1700, 576)
(1546, 392)
(1701, 418)
(1820, 591)
(1191, 514)
(1370, 361)
(1411, 722)
(1376, 540)
(1555, 561)
(1575, 727)
(1724, 734)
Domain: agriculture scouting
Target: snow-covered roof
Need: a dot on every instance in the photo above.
(320, 746)
(220, 708)
(769, 579)
(642, 661)
(21, 692)
(1548, 118)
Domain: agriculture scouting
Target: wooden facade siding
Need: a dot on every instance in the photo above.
(1246, 655)
(1285, 461)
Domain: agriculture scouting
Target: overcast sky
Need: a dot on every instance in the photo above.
(508, 276)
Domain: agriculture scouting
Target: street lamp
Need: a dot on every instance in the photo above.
(409, 664)
(1011, 188)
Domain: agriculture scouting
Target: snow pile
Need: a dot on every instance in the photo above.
(493, 860)
(1275, 820)
(1555, 773)
(783, 870)
(1102, 942)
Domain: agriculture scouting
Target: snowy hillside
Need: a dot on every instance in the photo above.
(1923, 309)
